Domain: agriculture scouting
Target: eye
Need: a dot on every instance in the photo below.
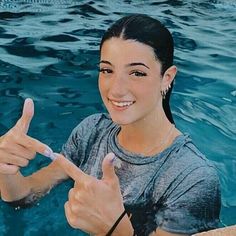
(105, 71)
(138, 73)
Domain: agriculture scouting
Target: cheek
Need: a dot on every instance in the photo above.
(102, 86)
(150, 94)
(150, 90)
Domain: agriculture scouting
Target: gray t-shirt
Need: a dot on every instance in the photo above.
(176, 190)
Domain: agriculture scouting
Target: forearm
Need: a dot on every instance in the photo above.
(20, 190)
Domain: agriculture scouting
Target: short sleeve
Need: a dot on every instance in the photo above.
(193, 205)
(75, 147)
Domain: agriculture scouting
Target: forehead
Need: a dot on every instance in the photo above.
(126, 50)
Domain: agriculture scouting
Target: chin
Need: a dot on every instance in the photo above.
(123, 119)
(120, 121)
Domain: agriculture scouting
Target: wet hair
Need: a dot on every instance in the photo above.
(149, 31)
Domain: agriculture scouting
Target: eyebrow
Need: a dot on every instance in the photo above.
(130, 64)
(138, 64)
(105, 62)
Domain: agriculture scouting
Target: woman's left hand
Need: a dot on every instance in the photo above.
(94, 205)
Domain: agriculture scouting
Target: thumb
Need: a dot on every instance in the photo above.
(27, 115)
(108, 167)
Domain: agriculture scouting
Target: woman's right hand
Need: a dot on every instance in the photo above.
(16, 147)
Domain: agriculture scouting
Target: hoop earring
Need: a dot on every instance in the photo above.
(164, 92)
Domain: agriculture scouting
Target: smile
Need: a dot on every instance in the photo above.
(122, 104)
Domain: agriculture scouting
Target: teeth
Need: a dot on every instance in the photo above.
(122, 104)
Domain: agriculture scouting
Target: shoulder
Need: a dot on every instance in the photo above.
(190, 200)
(84, 135)
(188, 155)
(190, 172)
(93, 122)
(194, 161)
(186, 167)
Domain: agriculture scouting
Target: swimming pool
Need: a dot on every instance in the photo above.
(49, 52)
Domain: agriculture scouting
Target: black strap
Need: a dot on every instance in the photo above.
(116, 223)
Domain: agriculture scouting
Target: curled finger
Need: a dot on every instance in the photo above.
(14, 160)
(21, 151)
(70, 216)
(8, 169)
(71, 194)
(79, 221)
(74, 202)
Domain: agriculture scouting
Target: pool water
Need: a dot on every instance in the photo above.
(49, 52)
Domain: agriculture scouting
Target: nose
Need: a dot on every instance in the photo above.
(118, 86)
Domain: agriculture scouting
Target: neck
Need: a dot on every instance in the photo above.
(144, 134)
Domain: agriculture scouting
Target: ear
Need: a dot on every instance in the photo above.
(168, 77)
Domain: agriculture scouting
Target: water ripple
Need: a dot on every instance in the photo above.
(15, 15)
(182, 42)
(86, 10)
(61, 38)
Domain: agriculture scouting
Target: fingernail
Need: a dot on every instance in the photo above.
(49, 153)
(112, 158)
(53, 156)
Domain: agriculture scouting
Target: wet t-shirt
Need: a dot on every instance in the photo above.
(176, 190)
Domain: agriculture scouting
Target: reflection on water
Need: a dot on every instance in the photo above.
(49, 52)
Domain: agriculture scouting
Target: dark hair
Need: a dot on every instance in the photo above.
(149, 31)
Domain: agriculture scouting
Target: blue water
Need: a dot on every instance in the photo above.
(49, 52)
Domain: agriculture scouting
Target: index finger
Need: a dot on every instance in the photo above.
(71, 169)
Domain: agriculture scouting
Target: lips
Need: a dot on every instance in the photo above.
(121, 104)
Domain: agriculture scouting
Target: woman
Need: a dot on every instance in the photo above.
(160, 184)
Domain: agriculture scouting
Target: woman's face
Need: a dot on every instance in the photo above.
(129, 80)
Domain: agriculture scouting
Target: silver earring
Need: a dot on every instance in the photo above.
(164, 92)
